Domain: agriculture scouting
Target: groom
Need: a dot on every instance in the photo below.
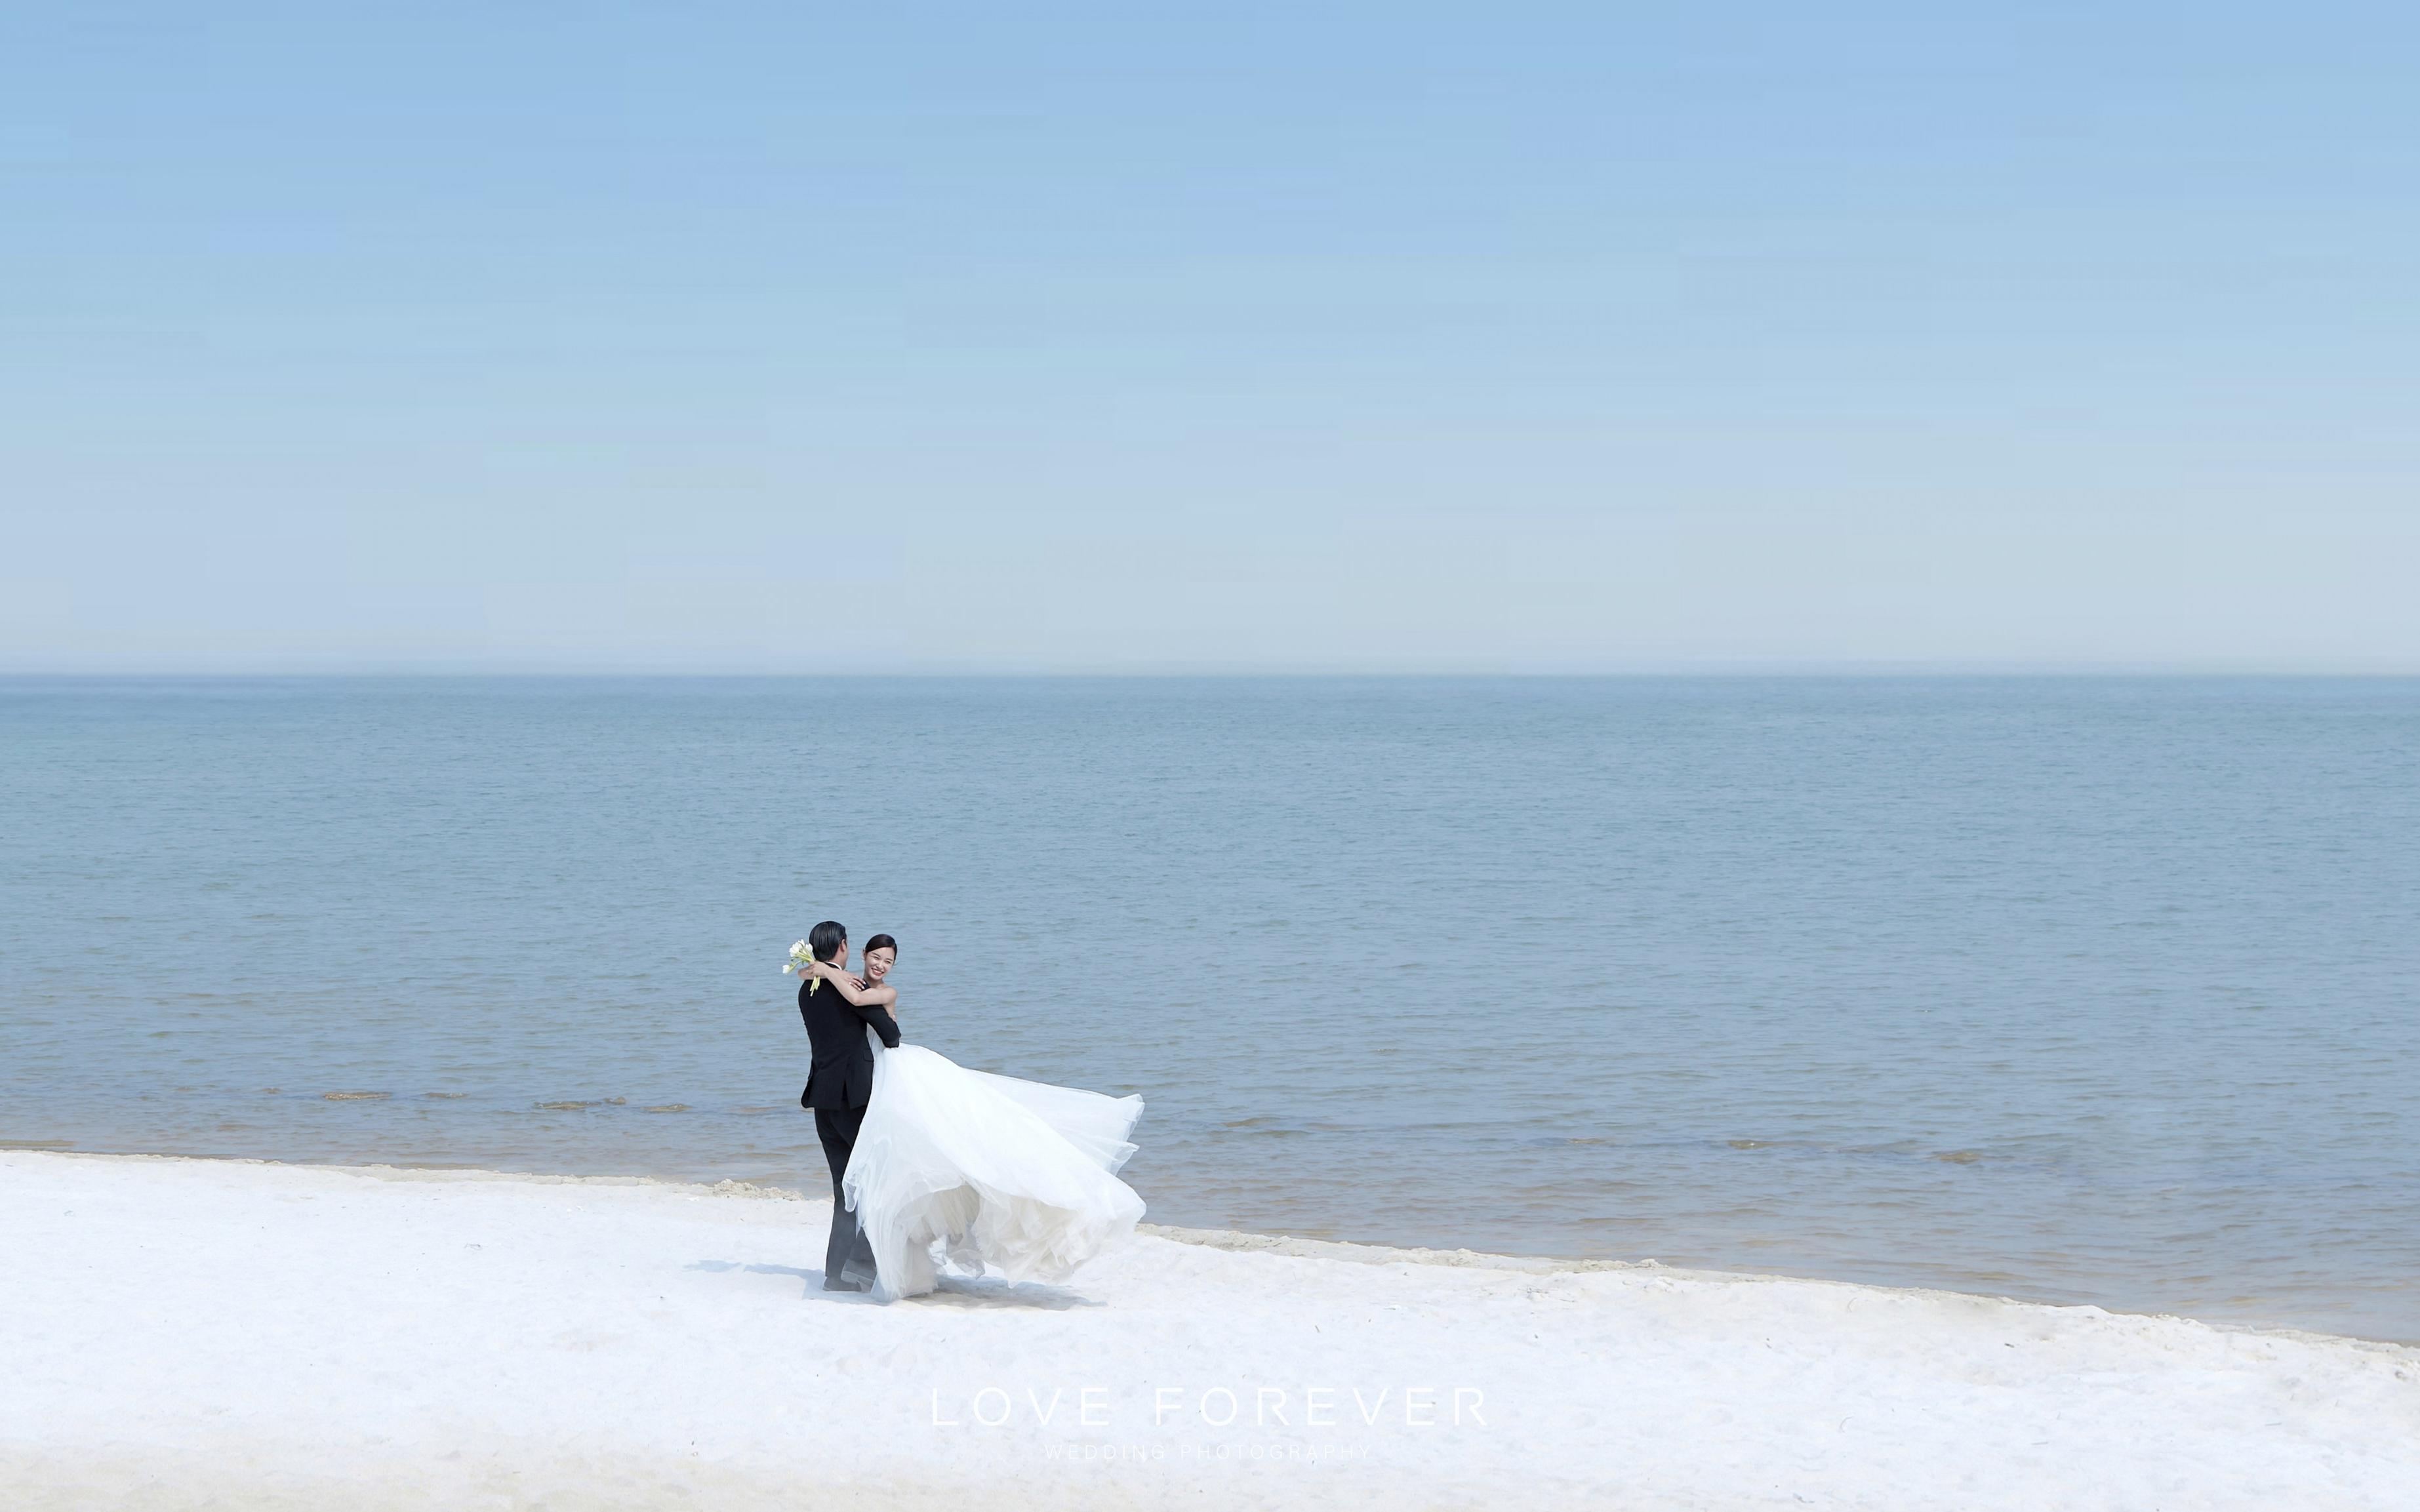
(839, 1085)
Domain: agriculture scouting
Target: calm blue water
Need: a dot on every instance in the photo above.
(2082, 990)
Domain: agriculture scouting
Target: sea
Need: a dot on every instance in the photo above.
(2088, 990)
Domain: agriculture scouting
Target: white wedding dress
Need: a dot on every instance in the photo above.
(988, 1170)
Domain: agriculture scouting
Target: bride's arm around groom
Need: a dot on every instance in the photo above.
(878, 1006)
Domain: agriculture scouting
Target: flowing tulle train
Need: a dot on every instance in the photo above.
(1016, 1175)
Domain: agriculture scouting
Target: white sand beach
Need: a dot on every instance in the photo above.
(192, 1334)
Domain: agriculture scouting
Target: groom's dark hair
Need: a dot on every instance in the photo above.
(825, 940)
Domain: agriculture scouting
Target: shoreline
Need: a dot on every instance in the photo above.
(1233, 1240)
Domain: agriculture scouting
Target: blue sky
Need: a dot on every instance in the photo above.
(1234, 337)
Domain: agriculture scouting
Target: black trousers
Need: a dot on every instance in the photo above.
(848, 1255)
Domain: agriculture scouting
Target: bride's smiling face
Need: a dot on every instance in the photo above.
(878, 962)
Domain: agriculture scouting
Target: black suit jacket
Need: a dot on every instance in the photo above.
(842, 1075)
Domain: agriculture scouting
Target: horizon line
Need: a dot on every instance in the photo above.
(1743, 667)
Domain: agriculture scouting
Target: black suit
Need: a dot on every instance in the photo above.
(839, 1083)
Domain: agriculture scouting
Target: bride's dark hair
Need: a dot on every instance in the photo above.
(880, 942)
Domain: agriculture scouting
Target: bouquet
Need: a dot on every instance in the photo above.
(800, 958)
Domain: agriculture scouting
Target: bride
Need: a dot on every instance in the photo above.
(988, 1170)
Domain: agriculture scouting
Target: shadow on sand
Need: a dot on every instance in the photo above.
(955, 1291)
